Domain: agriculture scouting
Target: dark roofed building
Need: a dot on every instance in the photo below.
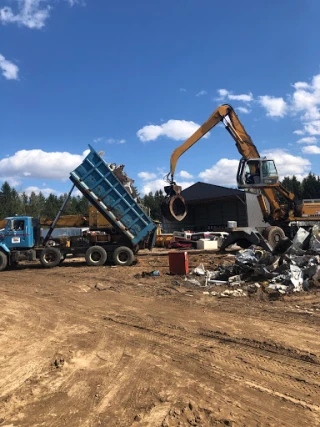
(203, 191)
(210, 207)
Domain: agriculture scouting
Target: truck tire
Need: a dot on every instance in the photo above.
(50, 257)
(3, 260)
(96, 256)
(274, 235)
(123, 256)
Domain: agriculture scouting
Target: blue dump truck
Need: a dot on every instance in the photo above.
(130, 227)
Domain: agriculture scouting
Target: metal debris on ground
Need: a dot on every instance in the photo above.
(296, 269)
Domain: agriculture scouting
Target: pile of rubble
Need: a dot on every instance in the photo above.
(296, 269)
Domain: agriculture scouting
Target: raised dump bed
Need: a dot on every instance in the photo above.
(101, 187)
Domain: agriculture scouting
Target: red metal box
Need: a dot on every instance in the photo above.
(179, 263)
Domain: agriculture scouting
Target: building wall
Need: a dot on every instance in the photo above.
(215, 214)
(171, 226)
(209, 215)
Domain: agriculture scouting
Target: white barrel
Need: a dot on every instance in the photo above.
(232, 224)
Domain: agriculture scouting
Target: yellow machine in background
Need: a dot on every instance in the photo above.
(97, 221)
(94, 221)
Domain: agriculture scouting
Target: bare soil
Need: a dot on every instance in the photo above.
(103, 346)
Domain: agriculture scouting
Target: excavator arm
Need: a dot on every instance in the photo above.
(174, 207)
(226, 114)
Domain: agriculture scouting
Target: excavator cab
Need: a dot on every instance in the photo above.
(257, 173)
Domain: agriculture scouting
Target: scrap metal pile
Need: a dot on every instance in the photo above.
(296, 269)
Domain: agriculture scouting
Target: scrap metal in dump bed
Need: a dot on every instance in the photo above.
(131, 228)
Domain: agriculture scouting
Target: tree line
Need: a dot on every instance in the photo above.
(12, 202)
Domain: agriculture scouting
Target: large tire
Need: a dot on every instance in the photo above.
(123, 256)
(96, 256)
(50, 257)
(274, 235)
(3, 261)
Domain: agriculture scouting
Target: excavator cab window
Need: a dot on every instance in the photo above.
(269, 170)
(256, 173)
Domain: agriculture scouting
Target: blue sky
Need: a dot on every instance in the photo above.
(136, 78)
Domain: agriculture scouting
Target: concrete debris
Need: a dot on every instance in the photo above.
(235, 281)
(233, 293)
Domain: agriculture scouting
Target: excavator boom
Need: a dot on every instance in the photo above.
(226, 114)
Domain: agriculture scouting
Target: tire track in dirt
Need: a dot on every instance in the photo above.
(295, 389)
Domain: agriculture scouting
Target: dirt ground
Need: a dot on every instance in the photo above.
(102, 346)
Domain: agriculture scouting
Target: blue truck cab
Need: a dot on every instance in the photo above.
(18, 240)
(18, 233)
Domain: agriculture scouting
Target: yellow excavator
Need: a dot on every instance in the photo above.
(254, 174)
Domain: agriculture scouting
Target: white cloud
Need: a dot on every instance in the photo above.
(307, 140)
(13, 182)
(182, 89)
(313, 128)
(201, 93)
(174, 129)
(276, 107)
(185, 175)
(109, 140)
(30, 14)
(159, 184)
(224, 93)
(74, 2)
(39, 164)
(99, 139)
(306, 101)
(146, 176)
(311, 149)
(298, 132)
(287, 164)
(243, 110)
(306, 98)
(222, 173)
(115, 141)
(8, 69)
(154, 181)
(45, 191)
(301, 85)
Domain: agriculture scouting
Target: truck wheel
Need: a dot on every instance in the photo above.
(274, 235)
(96, 255)
(123, 256)
(50, 257)
(3, 260)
